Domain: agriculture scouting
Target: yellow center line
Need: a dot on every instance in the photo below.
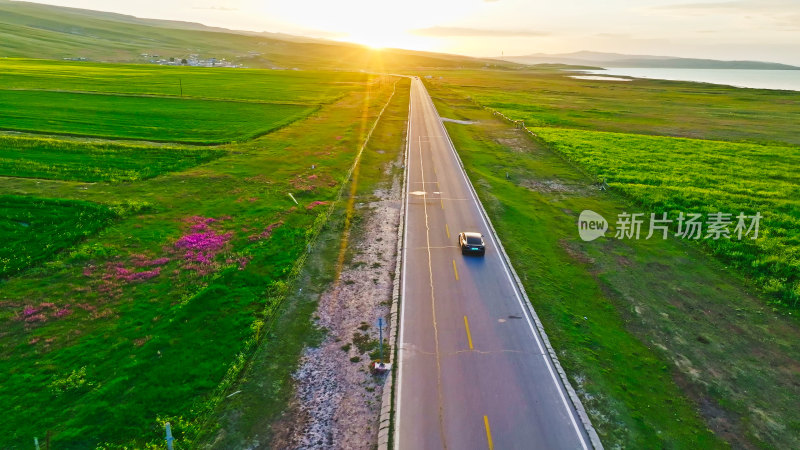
(433, 302)
(446, 228)
(469, 335)
(488, 432)
(455, 270)
(442, 202)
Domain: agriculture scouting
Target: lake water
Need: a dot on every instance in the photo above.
(760, 79)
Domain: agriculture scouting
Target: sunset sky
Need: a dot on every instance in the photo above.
(765, 30)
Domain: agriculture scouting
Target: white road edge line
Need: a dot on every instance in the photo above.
(399, 342)
(510, 279)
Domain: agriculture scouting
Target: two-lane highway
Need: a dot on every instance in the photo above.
(473, 372)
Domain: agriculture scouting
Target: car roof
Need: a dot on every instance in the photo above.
(472, 234)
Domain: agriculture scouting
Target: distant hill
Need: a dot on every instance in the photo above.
(586, 58)
(51, 32)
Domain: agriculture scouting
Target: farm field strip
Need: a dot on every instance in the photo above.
(273, 86)
(92, 161)
(143, 118)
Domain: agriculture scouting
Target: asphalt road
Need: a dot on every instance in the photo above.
(473, 372)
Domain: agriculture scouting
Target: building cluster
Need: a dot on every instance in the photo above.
(191, 60)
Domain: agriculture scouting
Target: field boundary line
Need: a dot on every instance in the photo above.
(573, 396)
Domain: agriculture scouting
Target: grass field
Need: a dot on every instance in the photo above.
(669, 108)
(42, 157)
(146, 118)
(275, 86)
(34, 229)
(676, 175)
(666, 347)
(154, 318)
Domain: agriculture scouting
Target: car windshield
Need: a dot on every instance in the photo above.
(471, 240)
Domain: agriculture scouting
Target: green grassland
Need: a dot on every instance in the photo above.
(270, 86)
(666, 347)
(34, 229)
(656, 107)
(145, 118)
(154, 318)
(676, 175)
(79, 160)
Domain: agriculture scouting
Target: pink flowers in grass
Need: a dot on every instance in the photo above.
(312, 205)
(31, 314)
(203, 242)
(142, 261)
(267, 231)
(202, 245)
(63, 312)
(241, 261)
(129, 275)
(200, 223)
(199, 257)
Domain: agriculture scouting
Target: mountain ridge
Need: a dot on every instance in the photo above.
(604, 59)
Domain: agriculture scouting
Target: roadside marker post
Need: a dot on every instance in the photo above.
(380, 336)
(169, 437)
(379, 367)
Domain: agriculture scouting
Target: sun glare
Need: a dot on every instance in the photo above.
(381, 39)
(377, 24)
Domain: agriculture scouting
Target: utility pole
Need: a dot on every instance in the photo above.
(180, 83)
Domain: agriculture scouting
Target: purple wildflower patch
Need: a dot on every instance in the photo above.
(36, 318)
(125, 274)
(63, 312)
(267, 231)
(312, 205)
(201, 245)
(142, 261)
(203, 242)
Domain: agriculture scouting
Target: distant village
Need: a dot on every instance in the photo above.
(192, 60)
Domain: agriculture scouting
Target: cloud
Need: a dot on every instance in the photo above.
(784, 14)
(474, 32)
(215, 8)
(704, 6)
(735, 6)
